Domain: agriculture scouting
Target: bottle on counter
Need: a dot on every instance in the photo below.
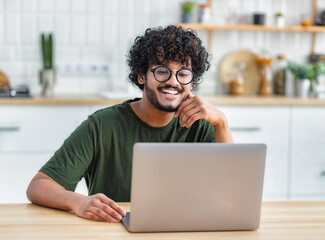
(280, 75)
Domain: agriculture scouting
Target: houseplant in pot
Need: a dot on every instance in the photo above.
(47, 75)
(306, 76)
(187, 12)
(279, 19)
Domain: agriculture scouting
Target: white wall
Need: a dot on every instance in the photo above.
(99, 32)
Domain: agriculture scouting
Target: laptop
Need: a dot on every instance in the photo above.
(196, 187)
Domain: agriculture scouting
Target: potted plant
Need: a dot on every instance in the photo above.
(48, 73)
(305, 75)
(187, 12)
(279, 19)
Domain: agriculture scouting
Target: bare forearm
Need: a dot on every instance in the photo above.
(44, 191)
(47, 193)
(222, 133)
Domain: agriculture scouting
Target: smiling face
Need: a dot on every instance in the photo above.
(165, 96)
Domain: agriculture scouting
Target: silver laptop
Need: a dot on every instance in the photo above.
(196, 187)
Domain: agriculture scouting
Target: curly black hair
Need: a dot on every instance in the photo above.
(163, 45)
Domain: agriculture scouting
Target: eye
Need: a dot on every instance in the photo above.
(184, 74)
(162, 71)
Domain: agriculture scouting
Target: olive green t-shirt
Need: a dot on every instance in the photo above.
(100, 149)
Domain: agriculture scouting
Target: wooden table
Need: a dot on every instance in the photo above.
(279, 220)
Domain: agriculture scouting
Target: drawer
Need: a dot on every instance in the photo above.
(267, 125)
(308, 179)
(308, 135)
(38, 128)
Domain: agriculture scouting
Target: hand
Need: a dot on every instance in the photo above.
(99, 207)
(195, 108)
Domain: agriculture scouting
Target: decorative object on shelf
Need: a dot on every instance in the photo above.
(47, 76)
(321, 19)
(4, 82)
(305, 21)
(280, 75)
(237, 84)
(320, 88)
(250, 75)
(187, 12)
(306, 76)
(205, 14)
(259, 18)
(265, 75)
(279, 19)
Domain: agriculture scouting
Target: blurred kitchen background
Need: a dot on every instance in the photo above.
(251, 42)
(92, 37)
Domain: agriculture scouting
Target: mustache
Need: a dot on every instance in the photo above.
(180, 90)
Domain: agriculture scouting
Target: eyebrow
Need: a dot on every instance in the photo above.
(162, 65)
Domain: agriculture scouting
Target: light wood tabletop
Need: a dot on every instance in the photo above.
(279, 220)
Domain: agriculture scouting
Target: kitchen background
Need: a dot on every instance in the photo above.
(92, 38)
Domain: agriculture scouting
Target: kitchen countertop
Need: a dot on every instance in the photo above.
(279, 220)
(218, 100)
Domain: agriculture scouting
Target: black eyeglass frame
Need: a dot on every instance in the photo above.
(170, 74)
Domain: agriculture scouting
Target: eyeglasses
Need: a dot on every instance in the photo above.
(163, 74)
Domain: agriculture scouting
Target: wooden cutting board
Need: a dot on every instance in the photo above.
(4, 82)
(251, 76)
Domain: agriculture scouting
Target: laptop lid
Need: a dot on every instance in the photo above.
(196, 186)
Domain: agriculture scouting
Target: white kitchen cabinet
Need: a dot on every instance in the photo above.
(96, 108)
(29, 135)
(17, 169)
(308, 153)
(38, 128)
(267, 125)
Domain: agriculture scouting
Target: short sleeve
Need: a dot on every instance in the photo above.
(71, 161)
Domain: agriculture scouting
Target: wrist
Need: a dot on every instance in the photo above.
(221, 123)
(73, 200)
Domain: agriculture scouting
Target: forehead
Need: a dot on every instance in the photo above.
(173, 65)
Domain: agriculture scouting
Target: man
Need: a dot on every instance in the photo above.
(166, 63)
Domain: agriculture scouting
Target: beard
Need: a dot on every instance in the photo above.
(153, 99)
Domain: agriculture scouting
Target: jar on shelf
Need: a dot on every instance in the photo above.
(265, 75)
(237, 84)
(279, 75)
(205, 14)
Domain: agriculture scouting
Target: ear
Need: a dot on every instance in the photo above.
(141, 78)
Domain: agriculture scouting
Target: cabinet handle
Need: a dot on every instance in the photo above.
(245, 129)
(9, 129)
(322, 173)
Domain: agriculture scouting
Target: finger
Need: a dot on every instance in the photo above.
(192, 119)
(102, 214)
(112, 204)
(92, 216)
(110, 211)
(182, 106)
(188, 114)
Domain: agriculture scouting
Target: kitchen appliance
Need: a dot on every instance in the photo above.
(20, 91)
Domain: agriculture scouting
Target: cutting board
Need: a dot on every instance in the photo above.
(251, 76)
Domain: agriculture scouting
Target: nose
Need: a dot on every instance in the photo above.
(173, 80)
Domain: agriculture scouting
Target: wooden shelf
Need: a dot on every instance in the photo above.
(198, 26)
